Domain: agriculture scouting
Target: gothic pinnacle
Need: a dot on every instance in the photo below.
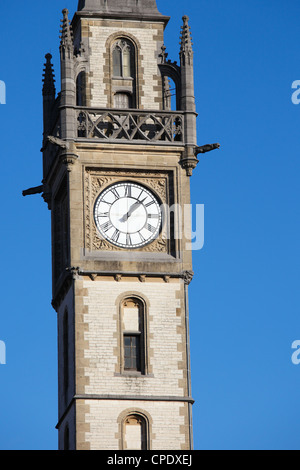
(66, 33)
(48, 80)
(186, 38)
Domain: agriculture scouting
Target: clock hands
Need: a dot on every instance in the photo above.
(132, 209)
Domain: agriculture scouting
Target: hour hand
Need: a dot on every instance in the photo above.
(131, 210)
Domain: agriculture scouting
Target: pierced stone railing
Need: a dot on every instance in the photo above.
(130, 125)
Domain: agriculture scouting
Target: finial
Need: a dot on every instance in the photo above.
(186, 49)
(66, 33)
(48, 80)
(163, 54)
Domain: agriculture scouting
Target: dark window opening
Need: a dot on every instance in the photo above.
(81, 89)
(132, 352)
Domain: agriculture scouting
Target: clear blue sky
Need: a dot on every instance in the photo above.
(244, 299)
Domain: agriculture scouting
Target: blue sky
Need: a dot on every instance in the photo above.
(244, 300)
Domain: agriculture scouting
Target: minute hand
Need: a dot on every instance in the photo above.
(132, 209)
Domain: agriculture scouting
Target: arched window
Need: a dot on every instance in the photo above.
(123, 74)
(133, 336)
(117, 62)
(123, 59)
(169, 94)
(135, 433)
(81, 89)
(171, 85)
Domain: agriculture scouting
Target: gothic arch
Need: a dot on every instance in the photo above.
(146, 419)
(110, 89)
(81, 87)
(172, 71)
(145, 368)
(136, 294)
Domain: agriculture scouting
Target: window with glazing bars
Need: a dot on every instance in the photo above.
(123, 58)
(132, 352)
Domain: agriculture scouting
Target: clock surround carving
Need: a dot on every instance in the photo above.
(96, 181)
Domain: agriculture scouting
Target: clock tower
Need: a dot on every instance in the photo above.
(119, 148)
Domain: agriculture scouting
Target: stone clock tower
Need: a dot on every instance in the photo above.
(119, 148)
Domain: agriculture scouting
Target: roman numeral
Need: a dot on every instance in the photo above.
(128, 240)
(106, 202)
(128, 191)
(115, 193)
(150, 228)
(116, 235)
(140, 194)
(149, 204)
(153, 216)
(103, 214)
(142, 238)
(105, 227)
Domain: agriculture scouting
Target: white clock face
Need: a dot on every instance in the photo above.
(128, 215)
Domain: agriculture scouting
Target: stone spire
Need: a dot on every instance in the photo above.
(189, 161)
(186, 45)
(48, 80)
(68, 88)
(49, 93)
(187, 67)
(66, 43)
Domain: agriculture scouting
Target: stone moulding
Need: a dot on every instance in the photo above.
(72, 274)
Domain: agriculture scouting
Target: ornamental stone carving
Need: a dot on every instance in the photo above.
(96, 181)
(187, 277)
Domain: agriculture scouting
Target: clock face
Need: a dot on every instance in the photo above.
(128, 215)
